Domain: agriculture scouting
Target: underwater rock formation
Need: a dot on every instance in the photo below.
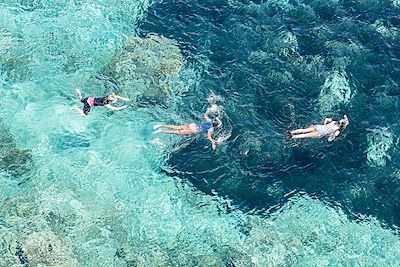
(47, 249)
(28, 239)
(13, 160)
(148, 68)
(335, 91)
(380, 140)
(13, 62)
(389, 33)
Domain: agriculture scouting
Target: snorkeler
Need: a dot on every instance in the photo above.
(104, 101)
(190, 129)
(330, 128)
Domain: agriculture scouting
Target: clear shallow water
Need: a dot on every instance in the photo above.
(104, 191)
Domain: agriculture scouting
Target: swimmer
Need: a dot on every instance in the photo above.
(104, 101)
(190, 129)
(330, 128)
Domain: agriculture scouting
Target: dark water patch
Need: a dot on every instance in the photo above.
(269, 62)
(370, 11)
(31, 5)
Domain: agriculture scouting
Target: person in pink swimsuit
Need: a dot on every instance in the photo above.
(104, 101)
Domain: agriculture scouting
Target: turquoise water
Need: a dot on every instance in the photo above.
(104, 191)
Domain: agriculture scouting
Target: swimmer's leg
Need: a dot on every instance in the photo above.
(179, 132)
(306, 135)
(175, 127)
(302, 131)
(78, 92)
(168, 131)
(79, 110)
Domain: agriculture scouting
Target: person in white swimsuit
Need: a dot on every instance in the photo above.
(330, 128)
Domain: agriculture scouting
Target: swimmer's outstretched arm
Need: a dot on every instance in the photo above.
(327, 120)
(122, 98)
(115, 108)
(209, 136)
(206, 116)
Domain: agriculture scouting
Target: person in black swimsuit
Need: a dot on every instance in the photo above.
(104, 101)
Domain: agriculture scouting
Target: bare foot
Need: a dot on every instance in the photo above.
(78, 92)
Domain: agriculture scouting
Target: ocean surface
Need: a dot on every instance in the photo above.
(104, 190)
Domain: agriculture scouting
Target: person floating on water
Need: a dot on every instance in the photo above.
(190, 129)
(330, 128)
(104, 101)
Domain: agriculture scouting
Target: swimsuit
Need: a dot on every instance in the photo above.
(327, 129)
(94, 101)
(206, 126)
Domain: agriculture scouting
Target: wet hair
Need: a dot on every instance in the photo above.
(342, 124)
(216, 123)
(112, 98)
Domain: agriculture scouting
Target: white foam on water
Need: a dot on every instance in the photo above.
(213, 99)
